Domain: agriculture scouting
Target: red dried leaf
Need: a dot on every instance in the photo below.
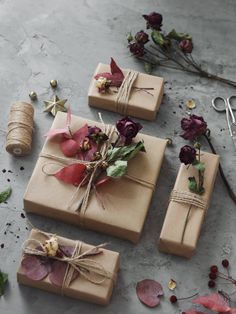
(80, 134)
(65, 131)
(214, 302)
(116, 76)
(58, 271)
(34, 268)
(148, 292)
(69, 147)
(72, 174)
(193, 312)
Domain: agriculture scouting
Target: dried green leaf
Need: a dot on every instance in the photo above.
(5, 194)
(200, 166)
(148, 67)
(158, 38)
(192, 184)
(179, 36)
(118, 169)
(3, 281)
(125, 152)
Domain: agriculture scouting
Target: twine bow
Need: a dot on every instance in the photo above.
(77, 262)
(192, 200)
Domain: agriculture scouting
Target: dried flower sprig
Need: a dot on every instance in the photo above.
(172, 50)
(194, 127)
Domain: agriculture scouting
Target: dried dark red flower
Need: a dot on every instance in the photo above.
(128, 129)
(187, 155)
(154, 20)
(141, 37)
(186, 45)
(193, 127)
(137, 49)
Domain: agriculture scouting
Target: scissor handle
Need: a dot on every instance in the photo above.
(217, 107)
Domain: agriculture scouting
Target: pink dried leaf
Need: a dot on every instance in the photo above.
(148, 292)
(80, 134)
(35, 268)
(53, 132)
(58, 271)
(232, 311)
(115, 69)
(67, 250)
(72, 174)
(116, 76)
(69, 147)
(214, 302)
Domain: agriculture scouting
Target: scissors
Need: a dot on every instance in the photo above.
(222, 104)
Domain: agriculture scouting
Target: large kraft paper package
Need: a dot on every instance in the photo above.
(80, 288)
(126, 201)
(141, 104)
(179, 234)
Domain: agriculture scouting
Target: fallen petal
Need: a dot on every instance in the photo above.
(214, 302)
(172, 284)
(34, 268)
(72, 174)
(148, 292)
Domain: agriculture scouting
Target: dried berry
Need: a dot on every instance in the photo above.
(212, 276)
(225, 263)
(214, 269)
(173, 299)
(211, 284)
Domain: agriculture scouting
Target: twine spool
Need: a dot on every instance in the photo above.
(20, 129)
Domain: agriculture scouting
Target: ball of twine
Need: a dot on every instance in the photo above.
(20, 129)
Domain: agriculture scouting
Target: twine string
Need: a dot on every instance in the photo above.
(191, 199)
(122, 98)
(20, 129)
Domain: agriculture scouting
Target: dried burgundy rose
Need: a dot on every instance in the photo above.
(186, 45)
(154, 20)
(128, 129)
(187, 155)
(193, 127)
(141, 37)
(137, 49)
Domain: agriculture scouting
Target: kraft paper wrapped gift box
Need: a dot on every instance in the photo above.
(126, 201)
(141, 104)
(79, 288)
(182, 224)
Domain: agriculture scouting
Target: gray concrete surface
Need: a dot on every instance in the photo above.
(42, 40)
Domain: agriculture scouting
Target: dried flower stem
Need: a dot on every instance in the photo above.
(227, 185)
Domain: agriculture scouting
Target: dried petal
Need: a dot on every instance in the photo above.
(80, 134)
(190, 104)
(116, 76)
(67, 250)
(148, 292)
(214, 302)
(35, 268)
(69, 147)
(58, 271)
(172, 284)
(72, 174)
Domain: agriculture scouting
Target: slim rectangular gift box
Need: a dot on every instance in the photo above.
(79, 288)
(126, 201)
(180, 231)
(141, 104)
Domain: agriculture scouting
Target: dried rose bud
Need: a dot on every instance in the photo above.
(128, 129)
(187, 155)
(97, 135)
(141, 37)
(51, 246)
(85, 145)
(103, 84)
(154, 20)
(186, 45)
(137, 49)
(193, 127)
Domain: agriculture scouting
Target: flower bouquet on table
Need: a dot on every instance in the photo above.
(167, 49)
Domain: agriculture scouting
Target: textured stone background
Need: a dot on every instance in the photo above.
(41, 40)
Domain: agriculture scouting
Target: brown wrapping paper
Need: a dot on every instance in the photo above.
(173, 227)
(80, 288)
(140, 105)
(126, 201)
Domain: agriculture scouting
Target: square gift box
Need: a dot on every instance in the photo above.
(80, 287)
(186, 210)
(126, 201)
(141, 104)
